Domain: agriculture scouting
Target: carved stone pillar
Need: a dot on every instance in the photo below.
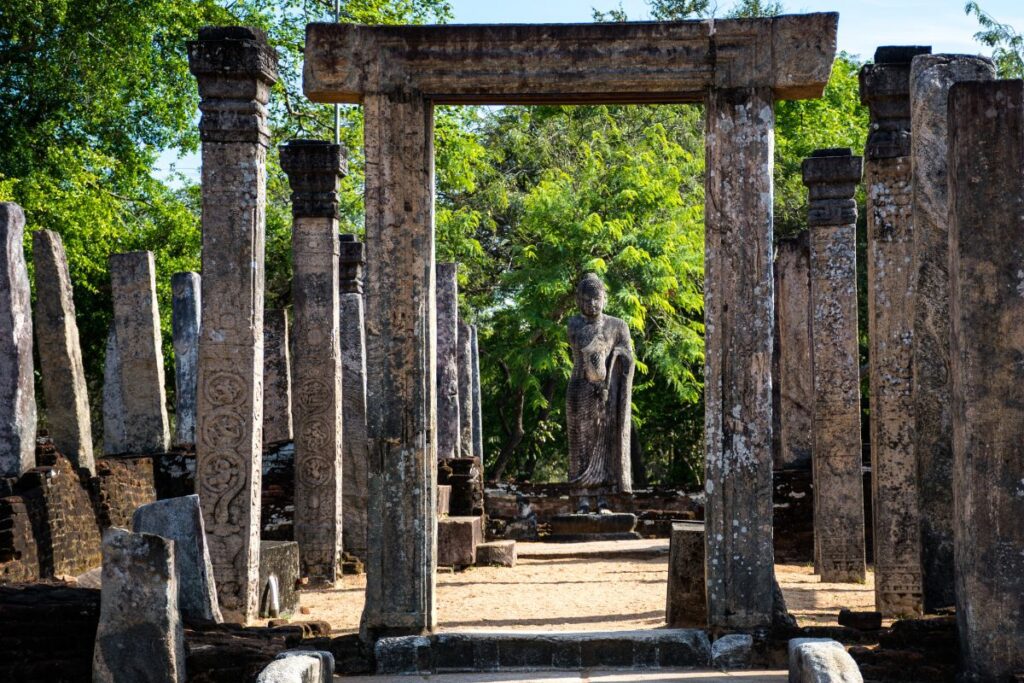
(896, 518)
(796, 379)
(986, 242)
(235, 68)
(17, 379)
(739, 315)
(314, 169)
(185, 309)
(832, 177)
(401, 358)
(354, 448)
(449, 441)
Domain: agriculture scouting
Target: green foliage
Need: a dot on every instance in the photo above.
(1007, 45)
(751, 9)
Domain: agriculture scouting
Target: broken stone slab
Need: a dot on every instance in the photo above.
(60, 352)
(296, 667)
(686, 605)
(496, 554)
(457, 541)
(821, 660)
(326, 662)
(181, 520)
(732, 652)
(186, 304)
(140, 636)
(17, 379)
(279, 578)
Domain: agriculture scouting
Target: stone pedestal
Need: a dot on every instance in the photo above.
(832, 177)
(796, 379)
(580, 527)
(687, 605)
(478, 408)
(930, 80)
(185, 309)
(17, 382)
(314, 169)
(354, 448)
(140, 350)
(738, 313)
(449, 426)
(60, 353)
(986, 242)
(885, 89)
(235, 68)
(277, 378)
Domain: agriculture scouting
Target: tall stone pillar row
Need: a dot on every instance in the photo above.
(465, 362)
(796, 380)
(832, 177)
(478, 408)
(17, 381)
(930, 80)
(185, 309)
(885, 90)
(986, 243)
(60, 352)
(140, 352)
(314, 169)
(401, 362)
(449, 424)
(277, 378)
(354, 449)
(739, 319)
(235, 68)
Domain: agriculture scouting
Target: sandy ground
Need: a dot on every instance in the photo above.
(577, 587)
(587, 677)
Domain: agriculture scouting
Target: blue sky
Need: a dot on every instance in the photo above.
(863, 26)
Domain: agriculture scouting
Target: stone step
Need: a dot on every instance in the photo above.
(528, 651)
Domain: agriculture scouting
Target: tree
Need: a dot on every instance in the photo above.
(1007, 45)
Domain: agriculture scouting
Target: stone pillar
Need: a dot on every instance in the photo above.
(401, 362)
(354, 451)
(896, 518)
(235, 68)
(314, 169)
(449, 442)
(796, 379)
(60, 353)
(832, 176)
(185, 307)
(478, 408)
(739, 318)
(140, 350)
(465, 361)
(17, 382)
(986, 242)
(930, 80)
(277, 378)
(113, 410)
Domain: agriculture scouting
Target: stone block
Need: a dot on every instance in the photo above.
(181, 520)
(457, 541)
(733, 651)
(403, 655)
(297, 668)
(17, 379)
(326, 662)
(140, 635)
(686, 605)
(279, 571)
(821, 660)
(496, 553)
(444, 497)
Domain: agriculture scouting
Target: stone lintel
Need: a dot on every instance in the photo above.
(235, 67)
(314, 168)
(623, 62)
(352, 260)
(832, 176)
(885, 90)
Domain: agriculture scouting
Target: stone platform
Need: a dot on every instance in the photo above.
(578, 528)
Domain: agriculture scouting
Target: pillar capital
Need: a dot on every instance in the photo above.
(832, 176)
(235, 67)
(885, 90)
(314, 168)
(352, 260)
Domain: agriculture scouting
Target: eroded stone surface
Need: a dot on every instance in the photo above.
(60, 352)
(449, 432)
(185, 308)
(17, 382)
(353, 397)
(796, 381)
(814, 660)
(733, 651)
(686, 605)
(277, 378)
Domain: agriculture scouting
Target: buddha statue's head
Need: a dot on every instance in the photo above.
(590, 296)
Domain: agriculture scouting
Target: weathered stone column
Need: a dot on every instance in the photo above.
(478, 408)
(185, 308)
(465, 360)
(277, 378)
(739, 318)
(401, 363)
(896, 518)
(314, 169)
(930, 80)
(60, 352)
(140, 350)
(17, 382)
(796, 379)
(235, 68)
(354, 448)
(113, 410)
(986, 243)
(832, 176)
(449, 442)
